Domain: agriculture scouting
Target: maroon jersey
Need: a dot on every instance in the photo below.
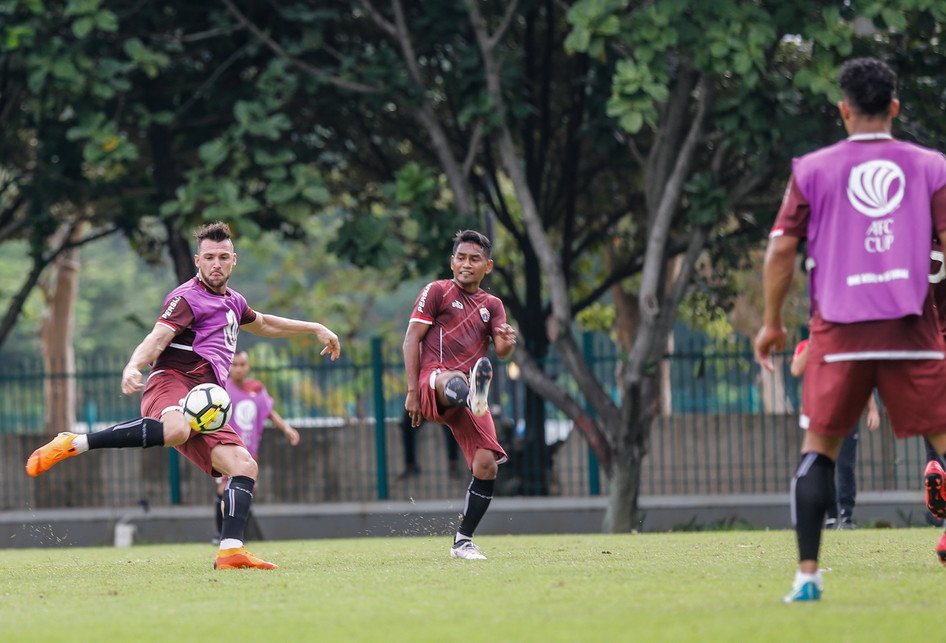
(461, 325)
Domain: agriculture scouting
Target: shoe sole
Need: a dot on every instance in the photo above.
(482, 376)
(243, 566)
(934, 495)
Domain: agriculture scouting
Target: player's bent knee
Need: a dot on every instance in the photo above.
(176, 429)
(232, 460)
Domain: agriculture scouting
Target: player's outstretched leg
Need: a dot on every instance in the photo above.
(140, 432)
(934, 477)
(56, 450)
(480, 377)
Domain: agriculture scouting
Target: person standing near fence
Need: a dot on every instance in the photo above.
(448, 373)
(252, 406)
(868, 207)
(193, 342)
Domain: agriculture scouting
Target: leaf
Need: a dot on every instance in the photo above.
(280, 192)
(83, 26)
(214, 152)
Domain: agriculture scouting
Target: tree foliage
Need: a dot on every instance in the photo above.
(615, 150)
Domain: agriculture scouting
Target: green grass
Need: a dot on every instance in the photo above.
(883, 584)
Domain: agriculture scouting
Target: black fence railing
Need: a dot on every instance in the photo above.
(713, 437)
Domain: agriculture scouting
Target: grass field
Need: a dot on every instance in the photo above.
(707, 586)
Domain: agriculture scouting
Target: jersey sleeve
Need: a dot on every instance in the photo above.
(248, 316)
(427, 304)
(793, 214)
(177, 314)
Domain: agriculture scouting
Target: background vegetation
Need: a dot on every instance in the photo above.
(626, 157)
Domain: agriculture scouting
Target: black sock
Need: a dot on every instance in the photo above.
(478, 496)
(931, 453)
(140, 432)
(218, 514)
(812, 489)
(456, 390)
(237, 498)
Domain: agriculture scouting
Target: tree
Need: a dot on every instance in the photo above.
(665, 136)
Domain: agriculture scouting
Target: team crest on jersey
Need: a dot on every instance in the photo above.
(876, 188)
(457, 304)
(484, 315)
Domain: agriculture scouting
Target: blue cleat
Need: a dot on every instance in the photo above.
(805, 592)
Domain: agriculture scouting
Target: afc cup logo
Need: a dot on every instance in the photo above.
(875, 188)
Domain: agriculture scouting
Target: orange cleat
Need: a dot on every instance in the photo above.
(43, 458)
(935, 479)
(239, 558)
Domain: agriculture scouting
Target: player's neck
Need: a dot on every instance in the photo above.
(468, 288)
(869, 128)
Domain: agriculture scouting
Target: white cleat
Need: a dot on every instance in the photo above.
(467, 551)
(480, 377)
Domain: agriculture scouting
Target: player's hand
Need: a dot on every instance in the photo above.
(332, 347)
(507, 333)
(132, 381)
(768, 339)
(412, 406)
(292, 435)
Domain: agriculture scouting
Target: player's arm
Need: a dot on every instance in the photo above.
(411, 349)
(145, 353)
(777, 274)
(291, 434)
(275, 326)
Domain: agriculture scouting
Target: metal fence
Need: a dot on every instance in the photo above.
(714, 441)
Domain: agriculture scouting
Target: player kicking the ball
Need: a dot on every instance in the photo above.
(193, 342)
(448, 374)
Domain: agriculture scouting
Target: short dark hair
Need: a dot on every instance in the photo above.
(869, 85)
(216, 231)
(472, 236)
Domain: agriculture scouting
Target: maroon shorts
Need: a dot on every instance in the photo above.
(913, 392)
(472, 432)
(164, 392)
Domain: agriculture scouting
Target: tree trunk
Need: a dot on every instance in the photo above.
(55, 333)
(621, 516)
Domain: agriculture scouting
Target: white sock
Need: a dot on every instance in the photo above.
(230, 543)
(802, 578)
(81, 443)
(460, 537)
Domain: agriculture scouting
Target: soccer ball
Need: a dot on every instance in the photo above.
(207, 408)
